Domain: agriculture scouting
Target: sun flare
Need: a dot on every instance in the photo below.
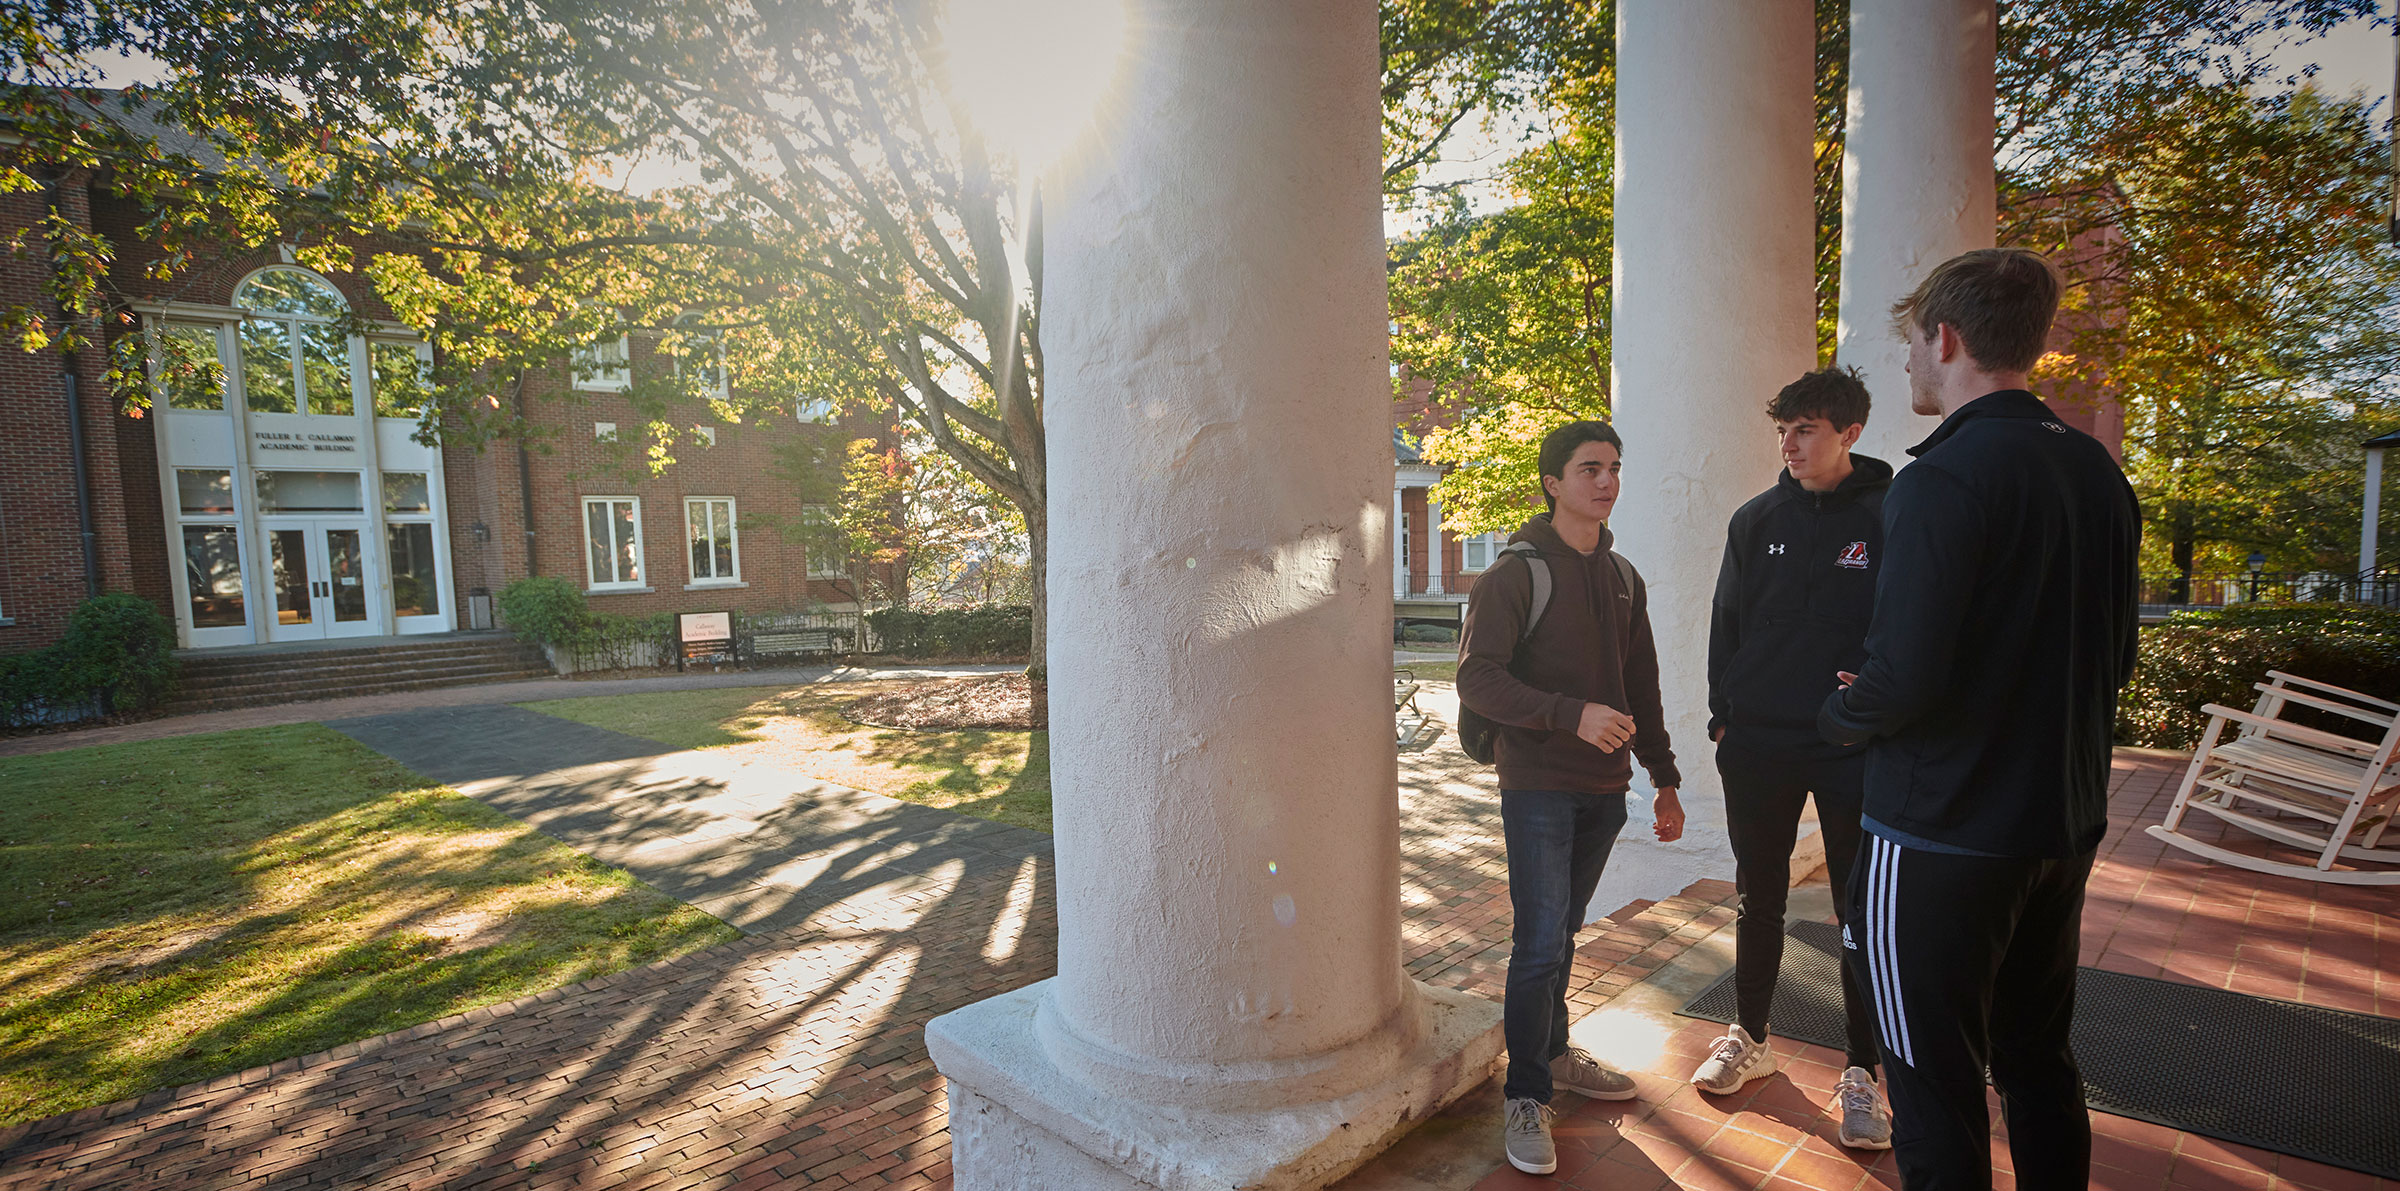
(1031, 74)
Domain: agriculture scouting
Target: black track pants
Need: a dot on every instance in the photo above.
(1971, 960)
(1763, 800)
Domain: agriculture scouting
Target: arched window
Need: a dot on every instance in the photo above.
(296, 355)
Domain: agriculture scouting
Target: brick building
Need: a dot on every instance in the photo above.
(282, 496)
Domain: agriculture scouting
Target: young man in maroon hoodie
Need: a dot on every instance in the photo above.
(1572, 694)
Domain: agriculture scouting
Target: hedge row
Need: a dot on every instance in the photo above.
(118, 655)
(2213, 656)
(990, 630)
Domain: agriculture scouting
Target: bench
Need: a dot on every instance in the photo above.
(799, 641)
(1409, 720)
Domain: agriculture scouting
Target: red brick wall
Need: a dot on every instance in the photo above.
(570, 464)
(42, 574)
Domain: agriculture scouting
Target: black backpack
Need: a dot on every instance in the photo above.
(1478, 736)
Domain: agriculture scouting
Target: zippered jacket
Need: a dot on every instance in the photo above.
(1592, 645)
(2004, 627)
(1793, 598)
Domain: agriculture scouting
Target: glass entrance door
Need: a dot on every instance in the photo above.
(321, 584)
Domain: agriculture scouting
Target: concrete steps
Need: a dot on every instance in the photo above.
(266, 677)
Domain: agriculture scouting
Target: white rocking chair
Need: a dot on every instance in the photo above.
(2303, 773)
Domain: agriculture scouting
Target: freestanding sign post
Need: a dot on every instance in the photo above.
(703, 637)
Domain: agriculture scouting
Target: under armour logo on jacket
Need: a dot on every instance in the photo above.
(1777, 548)
(1853, 556)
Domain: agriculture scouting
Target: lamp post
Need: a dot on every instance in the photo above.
(2258, 564)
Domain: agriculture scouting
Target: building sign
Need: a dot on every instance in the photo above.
(703, 636)
(310, 442)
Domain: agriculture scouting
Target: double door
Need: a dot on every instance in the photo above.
(322, 581)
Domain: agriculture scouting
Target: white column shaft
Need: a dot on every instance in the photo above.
(1434, 554)
(1714, 267)
(1399, 539)
(1917, 183)
(1219, 444)
(2370, 521)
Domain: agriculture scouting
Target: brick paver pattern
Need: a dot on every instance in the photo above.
(2151, 911)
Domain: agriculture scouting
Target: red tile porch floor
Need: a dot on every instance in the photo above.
(2152, 911)
(797, 1058)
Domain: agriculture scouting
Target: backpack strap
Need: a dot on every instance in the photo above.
(1624, 573)
(1538, 569)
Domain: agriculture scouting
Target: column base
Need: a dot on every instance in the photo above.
(1017, 1121)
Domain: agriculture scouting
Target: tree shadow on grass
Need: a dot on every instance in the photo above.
(799, 1051)
(213, 925)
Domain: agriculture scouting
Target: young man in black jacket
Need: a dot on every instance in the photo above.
(2004, 627)
(1793, 598)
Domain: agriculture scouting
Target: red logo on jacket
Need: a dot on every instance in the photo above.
(1853, 556)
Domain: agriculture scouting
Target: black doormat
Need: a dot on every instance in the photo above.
(2314, 1083)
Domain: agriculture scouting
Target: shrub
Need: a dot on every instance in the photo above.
(545, 610)
(118, 654)
(991, 630)
(2214, 656)
(1429, 634)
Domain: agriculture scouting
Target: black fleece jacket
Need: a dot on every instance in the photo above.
(1793, 598)
(2004, 627)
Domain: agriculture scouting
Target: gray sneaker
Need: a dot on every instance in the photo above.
(1736, 1059)
(1866, 1119)
(1577, 1071)
(1527, 1133)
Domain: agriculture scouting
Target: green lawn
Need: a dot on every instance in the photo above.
(1433, 671)
(998, 775)
(179, 909)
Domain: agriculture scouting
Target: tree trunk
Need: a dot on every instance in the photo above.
(1037, 537)
(1037, 660)
(2182, 545)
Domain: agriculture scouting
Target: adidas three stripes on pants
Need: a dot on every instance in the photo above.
(1971, 964)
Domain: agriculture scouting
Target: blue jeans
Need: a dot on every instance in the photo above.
(1558, 841)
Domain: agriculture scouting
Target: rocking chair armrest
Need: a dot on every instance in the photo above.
(2343, 691)
(2296, 733)
(2336, 706)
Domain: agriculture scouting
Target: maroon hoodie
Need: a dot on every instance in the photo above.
(1593, 645)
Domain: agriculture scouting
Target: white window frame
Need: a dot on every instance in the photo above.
(1491, 542)
(156, 358)
(595, 372)
(732, 531)
(641, 553)
(361, 391)
(722, 389)
(826, 568)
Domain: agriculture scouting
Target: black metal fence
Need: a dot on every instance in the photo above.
(2249, 587)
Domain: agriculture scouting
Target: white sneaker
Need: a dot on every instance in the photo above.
(1526, 1133)
(1866, 1119)
(1736, 1059)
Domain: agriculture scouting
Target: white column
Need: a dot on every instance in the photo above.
(2369, 523)
(1399, 539)
(1714, 282)
(1916, 183)
(1230, 1008)
(1433, 545)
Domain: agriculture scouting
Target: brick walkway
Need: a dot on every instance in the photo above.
(2151, 911)
(460, 696)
